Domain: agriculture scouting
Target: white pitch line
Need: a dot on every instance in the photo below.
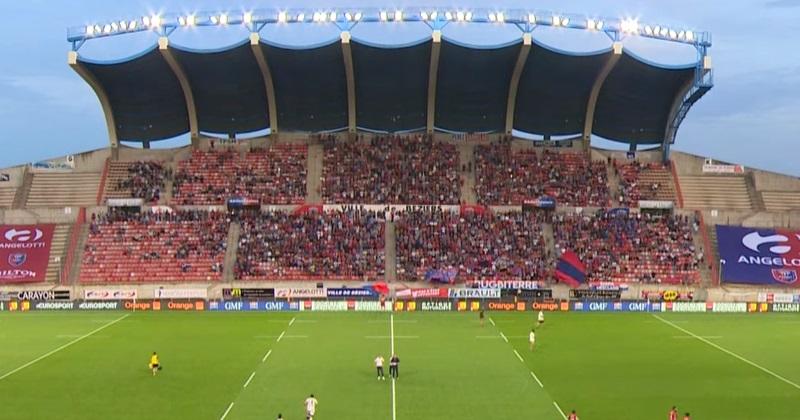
(537, 379)
(724, 350)
(264, 359)
(48, 354)
(249, 379)
(281, 336)
(491, 321)
(225, 414)
(560, 410)
(518, 356)
(383, 337)
(504, 337)
(711, 337)
(394, 392)
(292, 321)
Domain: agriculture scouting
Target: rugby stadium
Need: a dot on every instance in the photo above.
(350, 203)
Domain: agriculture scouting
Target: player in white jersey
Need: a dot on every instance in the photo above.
(379, 367)
(541, 318)
(311, 407)
(532, 339)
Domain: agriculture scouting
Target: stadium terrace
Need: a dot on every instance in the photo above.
(435, 84)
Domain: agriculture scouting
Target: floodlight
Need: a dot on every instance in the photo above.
(132, 25)
(673, 34)
(182, 21)
(214, 19)
(501, 17)
(630, 26)
(333, 16)
(434, 15)
(681, 35)
(648, 30)
(282, 17)
(146, 20)
(564, 21)
(689, 36)
(398, 15)
(664, 31)
(531, 18)
(155, 20)
(107, 29)
(123, 25)
(114, 27)
(424, 15)
(348, 17)
(384, 16)
(89, 30)
(357, 16)
(301, 17)
(468, 16)
(448, 16)
(599, 25)
(556, 21)
(97, 29)
(492, 17)
(247, 17)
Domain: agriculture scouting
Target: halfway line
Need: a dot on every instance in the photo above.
(64, 346)
(559, 410)
(225, 414)
(755, 365)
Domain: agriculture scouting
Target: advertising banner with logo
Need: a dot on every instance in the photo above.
(712, 168)
(472, 305)
(475, 293)
(104, 305)
(52, 306)
(668, 295)
(110, 294)
(142, 305)
(786, 307)
(539, 294)
(550, 306)
(249, 293)
(293, 293)
(179, 305)
(759, 256)
(371, 306)
(238, 305)
(684, 307)
(434, 305)
(505, 306)
(40, 295)
(198, 293)
(324, 306)
(440, 293)
(343, 292)
(778, 298)
(727, 306)
(595, 294)
(24, 252)
(505, 284)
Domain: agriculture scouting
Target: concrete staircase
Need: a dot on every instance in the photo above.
(70, 189)
(234, 232)
(466, 158)
(549, 239)
(316, 155)
(7, 197)
(77, 258)
(755, 197)
(22, 192)
(716, 192)
(58, 251)
(390, 252)
(613, 185)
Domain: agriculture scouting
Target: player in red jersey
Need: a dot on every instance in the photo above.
(673, 414)
(687, 417)
(573, 416)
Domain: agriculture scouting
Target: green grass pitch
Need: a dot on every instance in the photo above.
(607, 366)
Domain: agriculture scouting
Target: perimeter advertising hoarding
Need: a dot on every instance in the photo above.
(615, 306)
(343, 292)
(168, 305)
(24, 252)
(300, 293)
(248, 293)
(253, 305)
(505, 284)
(197, 293)
(475, 293)
(779, 298)
(595, 294)
(786, 307)
(110, 294)
(423, 306)
(36, 295)
(683, 307)
(759, 256)
(440, 293)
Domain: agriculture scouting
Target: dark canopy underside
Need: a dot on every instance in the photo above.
(391, 90)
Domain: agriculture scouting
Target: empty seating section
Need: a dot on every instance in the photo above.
(63, 189)
(390, 170)
(505, 176)
(57, 252)
(631, 247)
(155, 247)
(454, 247)
(7, 197)
(335, 245)
(781, 200)
(144, 179)
(276, 175)
(715, 192)
(643, 181)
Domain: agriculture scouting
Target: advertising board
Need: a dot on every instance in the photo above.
(25, 252)
(110, 294)
(768, 257)
(248, 293)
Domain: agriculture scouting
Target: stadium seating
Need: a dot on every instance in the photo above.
(276, 175)
(145, 180)
(617, 246)
(715, 192)
(64, 189)
(155, 247)
(7, 197)
(505, 176)
(390, 170)
(781, 200)
(335, 245)
(643, 181)
(472, 246)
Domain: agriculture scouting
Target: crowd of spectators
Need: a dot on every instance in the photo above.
(275, 175)
(333, 245)
(164, 246)
(390, 170)
(145, 180)
(632, 187)
(508, 176)
(471, 246)
(629, 247)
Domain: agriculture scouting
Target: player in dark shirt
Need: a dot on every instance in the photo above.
(394, 366)
(481, 316)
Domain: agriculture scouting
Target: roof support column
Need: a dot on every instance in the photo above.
(351, 82)
(266, 74)
(588, 122)
(105, 103)
(522, 58)
(682, 103)
(433, 74)
(188, 96)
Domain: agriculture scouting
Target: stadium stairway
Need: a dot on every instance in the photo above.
(7, 197)
(662, 177)
(466, 156)
(314, 174)
(58, 251)
(232, 248)
(63, 189)
(781, 200)
(613, 184)
(390, 254)
(77, 257)
(715, 192)
(22, 192)
(755, 197)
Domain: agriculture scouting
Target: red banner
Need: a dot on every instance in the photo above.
(422, 294)
(24, 252)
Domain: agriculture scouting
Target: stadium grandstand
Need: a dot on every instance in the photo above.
(433, 165)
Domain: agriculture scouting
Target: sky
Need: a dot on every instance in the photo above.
(751, 115)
